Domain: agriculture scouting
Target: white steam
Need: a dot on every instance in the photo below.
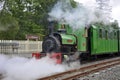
(115, 4)
(19, 68)
(77, 17)
(1, 5)
(87, 2)
(3, 60)
(116, 10)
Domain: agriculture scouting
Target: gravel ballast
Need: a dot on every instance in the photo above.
(108, 74)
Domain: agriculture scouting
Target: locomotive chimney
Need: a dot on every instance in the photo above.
(51, 27)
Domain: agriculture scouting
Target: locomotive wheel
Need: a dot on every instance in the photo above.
(51, 44)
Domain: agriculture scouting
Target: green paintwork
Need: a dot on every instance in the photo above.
(93, 39)
(81, 39)
(66, 37)
(103, 45)
(107, 44)
(119, 39)
(76, 34)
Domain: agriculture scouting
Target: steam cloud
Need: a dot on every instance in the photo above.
(19, 68)
(1, 5)
(77, 17)
(116, 10)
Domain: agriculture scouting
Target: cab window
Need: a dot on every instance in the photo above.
(62, 26)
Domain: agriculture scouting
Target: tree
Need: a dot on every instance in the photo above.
(31, 15)
(115, 24)
(8, 26)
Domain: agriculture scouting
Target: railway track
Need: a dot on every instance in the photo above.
(83, 71)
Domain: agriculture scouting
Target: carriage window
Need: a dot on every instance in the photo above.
(100, 33)
(111, 35)
(115, 35)
(119, 34)
(103, 34)
(106, 34)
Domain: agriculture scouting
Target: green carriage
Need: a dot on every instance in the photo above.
(103, 40)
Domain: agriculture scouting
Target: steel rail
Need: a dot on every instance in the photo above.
(90, 71)
(82, 69)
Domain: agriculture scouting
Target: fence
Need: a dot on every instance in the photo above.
(19, 47)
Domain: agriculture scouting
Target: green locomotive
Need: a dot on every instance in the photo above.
(95, 39)
(90, 40)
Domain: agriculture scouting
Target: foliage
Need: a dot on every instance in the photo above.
(8, 26)
(73, 3)
(31, 15)
(110, 25)
(115, 24)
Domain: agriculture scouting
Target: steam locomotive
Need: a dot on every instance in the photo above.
(94, 39)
